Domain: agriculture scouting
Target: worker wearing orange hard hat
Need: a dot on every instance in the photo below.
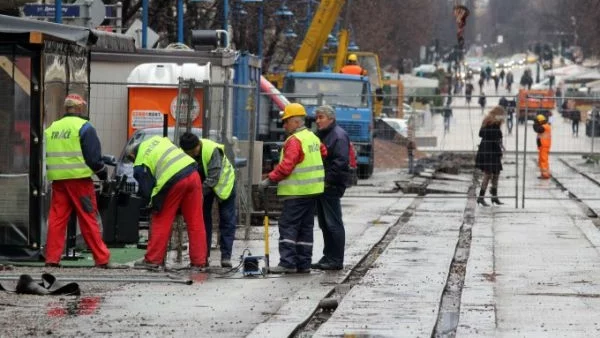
(544, 141)
(352, 67)
(300, 180)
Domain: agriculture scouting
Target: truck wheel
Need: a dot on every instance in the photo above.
(365, 171)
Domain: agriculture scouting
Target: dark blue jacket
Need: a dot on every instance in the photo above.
(337, 162)
(90, 145)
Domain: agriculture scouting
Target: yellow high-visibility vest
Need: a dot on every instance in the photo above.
(163, 159)
(227, 179)
(64, 157)
(308, 177)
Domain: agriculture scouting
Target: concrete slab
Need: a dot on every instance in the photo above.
(301, 306)
(400, 295)
(533, 271)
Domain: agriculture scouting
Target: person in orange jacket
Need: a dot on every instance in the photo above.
(352, 67)
(544, 141)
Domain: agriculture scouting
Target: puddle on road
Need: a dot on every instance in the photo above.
(80, 306)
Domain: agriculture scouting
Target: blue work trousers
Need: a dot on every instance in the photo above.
(227, 222)
(296, 232)
(329, 214)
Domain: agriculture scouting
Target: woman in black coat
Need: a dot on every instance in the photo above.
(489, 154)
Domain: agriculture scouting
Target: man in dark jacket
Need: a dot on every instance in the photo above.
(337, 178)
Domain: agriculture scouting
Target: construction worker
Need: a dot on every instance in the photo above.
(73, 155)
(300, 180)
(337, 179)
(218, 180)
(544, 141)
(168, 179)
(352, 67)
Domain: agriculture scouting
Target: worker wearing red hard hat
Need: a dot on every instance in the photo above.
(352, 67)
(73, 155)
(544, 141)
(300, 180)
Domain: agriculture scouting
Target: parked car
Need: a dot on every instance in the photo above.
(123, 165)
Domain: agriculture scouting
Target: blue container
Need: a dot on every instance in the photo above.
(247, 69)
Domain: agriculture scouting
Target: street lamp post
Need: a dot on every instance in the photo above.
(260, 24)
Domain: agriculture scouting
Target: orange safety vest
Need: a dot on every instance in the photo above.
(545, 137)
(353, 70)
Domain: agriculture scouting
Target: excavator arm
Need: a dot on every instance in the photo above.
(321, 25)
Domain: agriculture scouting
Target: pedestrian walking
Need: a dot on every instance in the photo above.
(509, 80)
(489, 154)
(496, 82)
(510, 115)
(480, 82)
(544, 142)
(73, 156)
(482, 102)
(468, 92)
(502, 74)
(447, 114)
(300, 180)
(168, 179)
(410, 150)
(575, 120)
(337, 179)
(218, 182)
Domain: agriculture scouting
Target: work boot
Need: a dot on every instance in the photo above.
(144, 265)
(226, 263)
(281, 269)
(111, 266)
(480, 199)
(317, 264)
(52, 265)
(495, 200)
(306, 270)
(327, 266)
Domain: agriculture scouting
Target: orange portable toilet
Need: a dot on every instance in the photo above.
(152, 93)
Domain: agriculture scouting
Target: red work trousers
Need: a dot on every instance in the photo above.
(187, 196)
(543, 162)
(75, 194)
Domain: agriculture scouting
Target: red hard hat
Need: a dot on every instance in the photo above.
(74, 100)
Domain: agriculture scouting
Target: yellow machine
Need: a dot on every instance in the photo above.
(307, 57)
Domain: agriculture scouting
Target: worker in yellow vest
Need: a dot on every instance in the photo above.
(218, 181)
(73, 155)
(300, 180)
(168, 179)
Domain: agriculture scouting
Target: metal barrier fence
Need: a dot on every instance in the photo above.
(575, 131)
(248, 124)
(221, 111)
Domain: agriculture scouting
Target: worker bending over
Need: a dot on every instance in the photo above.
(169, 180)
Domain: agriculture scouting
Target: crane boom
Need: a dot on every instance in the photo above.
(321, 26)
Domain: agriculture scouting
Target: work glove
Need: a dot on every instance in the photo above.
(264, 184)
(102, 174)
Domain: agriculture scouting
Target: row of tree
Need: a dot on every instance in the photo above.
(393, 29)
